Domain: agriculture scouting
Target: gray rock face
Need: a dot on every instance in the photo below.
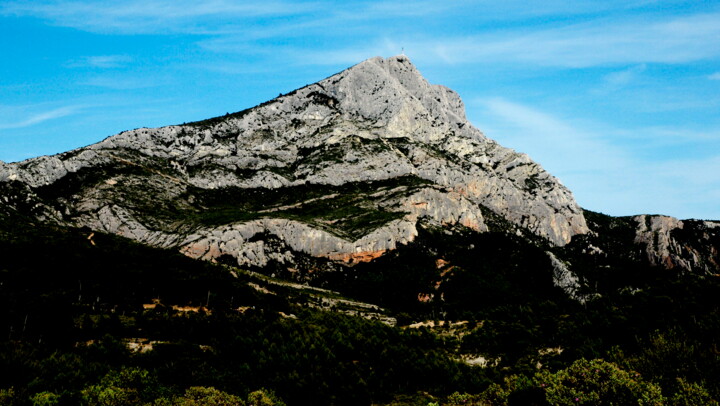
(654, 232)
(565, 279)
(378, 121)
(688, 245)
(236, 240)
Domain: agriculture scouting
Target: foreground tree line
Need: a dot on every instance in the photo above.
(135, 386)
(69, 310)
(595, 382)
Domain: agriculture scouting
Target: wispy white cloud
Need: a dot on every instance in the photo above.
(684, 39)
(555, 142)
(603, 175)
(233, 26)
(38, 118)
(157, 16)
(673, 135)
(226, 19)
(624, 77)
(123, 82)
(140, 16)
(594, 43)
(101, 61)
(346, 56)
(714, 76)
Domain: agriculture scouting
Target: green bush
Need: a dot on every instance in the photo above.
(263, 397)
(597, 382)
(7, 396)
(45, 399)
(202, 396)
(690, 394)
(457, 399)
(97, 395)
(128, 386)
(499, 395)
(209, 396)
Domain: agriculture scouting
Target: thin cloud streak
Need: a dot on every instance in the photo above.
(622, 78)
(235, 27)
(684, 39)
(595, 43)
(224, 19)
(555, 142)
(101, 61)
(42, 117)
(672, 135)
(602, 175)
(121, 82)
(137, 16)
(142, 17)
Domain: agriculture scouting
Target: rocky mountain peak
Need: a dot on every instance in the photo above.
(346, 168)
(392, 91)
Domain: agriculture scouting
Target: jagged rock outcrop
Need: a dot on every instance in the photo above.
(690, 245)
(378, 125)
(565, 279)
(237, 240)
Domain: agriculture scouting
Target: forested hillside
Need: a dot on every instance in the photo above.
(95, 319)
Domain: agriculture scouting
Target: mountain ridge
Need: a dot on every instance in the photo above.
(315, 149)
(352, 242)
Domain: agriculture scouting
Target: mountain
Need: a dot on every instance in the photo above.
(345, 169)
(350, 242)
(378, 124)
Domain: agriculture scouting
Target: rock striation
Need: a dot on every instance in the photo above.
(342, 169)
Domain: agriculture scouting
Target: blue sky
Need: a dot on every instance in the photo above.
(618, 99)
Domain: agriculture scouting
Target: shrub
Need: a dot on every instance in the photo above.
(7, 396)
(45, 399)
(458, 399)
(597, 382)
(263, 397)
(202, 396)
(690, 394)
(499, 395)
(127, 386)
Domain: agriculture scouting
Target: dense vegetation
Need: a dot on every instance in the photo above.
(71, 309)
(94, 319)
(660, 323)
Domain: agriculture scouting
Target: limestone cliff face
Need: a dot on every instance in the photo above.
(689, 245)
(354, 162)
